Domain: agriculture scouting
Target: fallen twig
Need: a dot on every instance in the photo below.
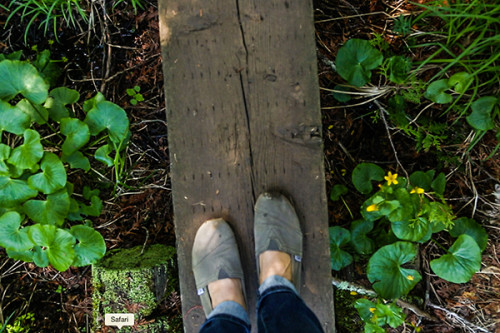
(464, 323)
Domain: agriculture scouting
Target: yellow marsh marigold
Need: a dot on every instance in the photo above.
(372, 208)
(391, 178)
(372, 310)
(417, 190)
(410, 277)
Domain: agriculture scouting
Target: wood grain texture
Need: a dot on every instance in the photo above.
(243, 117)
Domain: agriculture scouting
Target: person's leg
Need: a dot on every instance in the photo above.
(219, 278)
(278, 248)
(228, 316)
(280, 309)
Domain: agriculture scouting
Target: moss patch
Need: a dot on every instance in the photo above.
(346, 316)
(126, 281)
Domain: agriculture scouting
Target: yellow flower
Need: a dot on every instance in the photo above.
(410, 277)
(391, 178)
(330, 127)
(372, 310)
(417, 190)
(353, 293)
(372, 208)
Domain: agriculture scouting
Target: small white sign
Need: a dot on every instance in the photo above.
(119, 319)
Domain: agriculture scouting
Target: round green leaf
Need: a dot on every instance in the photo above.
(338, 191)
(363, 175)
(460, 81)
(389, 278)
(58, 244)
(342, 98)
(480, 117)
(11, 236)
(14, 192)
(439, 184)
(361, 243)
(436, 92)
(422, 179)
(37, 113)
(57, 101)
(26, 256)
(29, 153)
(51, 211)
(53, 176)
(355, 60)
(13, 119)
(470, 227)
(461, 262)
(102, 155)
(399, 67)
(413, 230)
(107, 115)
(94, 209)
(77, 161)
(364, 307)
(338, 238)
(20, 77)
(77, 135)
(40, 256)
(90, 246)
(4, 155)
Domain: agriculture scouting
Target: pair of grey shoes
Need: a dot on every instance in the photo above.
(215, 253)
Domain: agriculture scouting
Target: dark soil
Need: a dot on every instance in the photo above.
(124, 51)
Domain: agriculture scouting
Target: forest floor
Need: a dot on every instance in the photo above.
(121, 50)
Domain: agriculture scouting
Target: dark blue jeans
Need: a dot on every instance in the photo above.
(279, 309)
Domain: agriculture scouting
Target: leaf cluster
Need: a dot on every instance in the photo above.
(401, 214)
(36, 198)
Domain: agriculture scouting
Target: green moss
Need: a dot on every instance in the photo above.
(126, 281)
(132, 258)
(346, 315)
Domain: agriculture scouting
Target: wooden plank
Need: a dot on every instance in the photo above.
(243, 115)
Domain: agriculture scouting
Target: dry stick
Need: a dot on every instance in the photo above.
(346, 285)
(463, 322)
(382, 110)
(107, 42)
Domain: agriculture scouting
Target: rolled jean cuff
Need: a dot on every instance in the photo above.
(231, 308)
(276, 281)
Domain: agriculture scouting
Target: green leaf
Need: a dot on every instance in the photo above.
(77, 161)
(361, 243)
(413, 230)
(57, 101)
(13, 119)
(480, 117)
(53, 176)
(342, 98)
(58, 244)
(37, 113)
(137, 88)
(363, 174)
(470, 227)
(40, 256)
(20, 77)
(133, 101)
(399, 67)
(29, 153)
(14, 192)
(389, 314)
(77, 135)
(106, 115)
(49, 70)
(92, 102)
(102, 155)
(439, 184)
(139, 98)
(355, 60)
(11, 236)
(90, 246)
(422, 179)
(373, 328)
(338, 238)
(337, 191)
(436, 92)
(94, 209)
(130, 92)
(439, 214)
(397, 106)
(460, 81)
(389, 278)
(4, 155)
(365, 308)
(461, 262)
(26, 256)
(51, 211)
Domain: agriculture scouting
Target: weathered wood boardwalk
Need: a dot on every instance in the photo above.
(243, 117)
